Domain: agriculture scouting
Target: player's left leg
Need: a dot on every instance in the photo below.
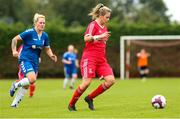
(19, 96)
(109, 81)
(32, 87)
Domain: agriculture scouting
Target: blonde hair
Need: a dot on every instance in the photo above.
(37, 16)
(99, 10)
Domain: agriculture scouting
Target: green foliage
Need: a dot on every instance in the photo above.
(76, 11)
(61, 36)
(142, 11)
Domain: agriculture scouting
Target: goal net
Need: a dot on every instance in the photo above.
(163, 62)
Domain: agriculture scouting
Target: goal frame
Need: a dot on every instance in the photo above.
(124, 74)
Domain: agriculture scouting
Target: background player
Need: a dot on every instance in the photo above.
(70, 66)
(94, 57)
(34, 40)
(142, 63)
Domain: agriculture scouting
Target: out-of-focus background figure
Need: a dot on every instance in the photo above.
(70, 66)
(142, 63)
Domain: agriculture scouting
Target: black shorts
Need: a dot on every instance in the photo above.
(143, 68)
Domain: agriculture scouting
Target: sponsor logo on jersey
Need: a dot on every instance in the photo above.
(35, 39)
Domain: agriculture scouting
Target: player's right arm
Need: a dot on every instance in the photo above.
(14, 45)
(66, 61)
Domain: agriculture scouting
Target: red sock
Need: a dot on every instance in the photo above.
(98, 91)
(31, 90)
(76, 96)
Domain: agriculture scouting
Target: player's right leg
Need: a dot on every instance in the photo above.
(87, 72)
(32, 87)
(23, 84)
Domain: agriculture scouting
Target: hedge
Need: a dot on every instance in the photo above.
(61, 36)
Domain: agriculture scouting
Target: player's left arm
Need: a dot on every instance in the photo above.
(48, 49)
(51, 54)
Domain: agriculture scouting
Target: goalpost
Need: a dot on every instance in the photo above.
(125, 42)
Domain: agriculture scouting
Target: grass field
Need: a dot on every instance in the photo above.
(126, 99)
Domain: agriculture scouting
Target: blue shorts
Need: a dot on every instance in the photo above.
(68, 72)
(27, 67)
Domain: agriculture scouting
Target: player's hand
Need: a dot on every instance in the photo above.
(15, 54)
(54, 58)
(69, 62)
(105, 36)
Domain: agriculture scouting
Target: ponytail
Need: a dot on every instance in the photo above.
(99, 10)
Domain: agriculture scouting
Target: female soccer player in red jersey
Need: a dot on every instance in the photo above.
(93, 59)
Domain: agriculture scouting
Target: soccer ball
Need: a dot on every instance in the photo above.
(158, 101)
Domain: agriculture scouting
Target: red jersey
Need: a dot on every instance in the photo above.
(94, 55)
(95, 48)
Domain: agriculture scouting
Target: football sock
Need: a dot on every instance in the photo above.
(145, 75)
(19, 95)
(101, 88)
(78, 92)
(65, 83)
(23, 82)
(31, 89)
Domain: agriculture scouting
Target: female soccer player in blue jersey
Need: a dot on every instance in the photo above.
(34, 40)
(70, 66)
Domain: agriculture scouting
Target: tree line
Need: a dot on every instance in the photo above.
(74, 12)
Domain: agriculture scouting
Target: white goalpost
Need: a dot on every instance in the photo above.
(125, 42)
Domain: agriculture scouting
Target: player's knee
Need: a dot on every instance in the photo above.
(112, 81)
(32, 79)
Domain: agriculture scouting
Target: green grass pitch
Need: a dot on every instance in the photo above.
(126, 99)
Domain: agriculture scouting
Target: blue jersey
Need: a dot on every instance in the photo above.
(70, 57)
(32, 45)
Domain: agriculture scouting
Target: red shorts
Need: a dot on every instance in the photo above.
(91, 67)
(20, 74)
